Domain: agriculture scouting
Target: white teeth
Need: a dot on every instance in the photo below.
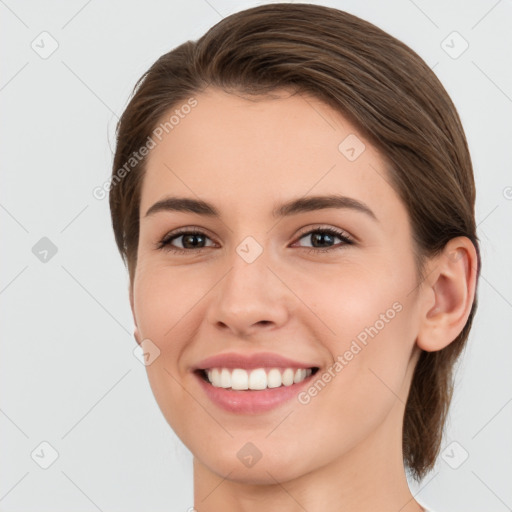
(274, 379)
(239, 379)
(300, 375)
(256, 379)
(288, 377)
(225, 378)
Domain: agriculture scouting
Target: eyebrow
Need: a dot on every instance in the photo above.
(292, 207)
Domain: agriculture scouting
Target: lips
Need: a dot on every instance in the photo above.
(252, 361)
(254, 395)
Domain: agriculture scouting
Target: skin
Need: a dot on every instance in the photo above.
(342, 450)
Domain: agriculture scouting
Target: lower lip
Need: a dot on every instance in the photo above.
(251, 401)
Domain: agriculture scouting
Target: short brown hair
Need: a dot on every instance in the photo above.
(389, 94)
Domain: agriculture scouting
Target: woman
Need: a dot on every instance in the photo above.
(293, 196)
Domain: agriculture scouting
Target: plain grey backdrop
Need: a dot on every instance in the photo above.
(79, 427)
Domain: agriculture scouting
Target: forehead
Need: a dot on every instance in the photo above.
(241, 149)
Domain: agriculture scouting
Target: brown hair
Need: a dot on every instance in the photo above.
(380, 85)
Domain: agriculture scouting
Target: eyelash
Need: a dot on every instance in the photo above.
(165, 243)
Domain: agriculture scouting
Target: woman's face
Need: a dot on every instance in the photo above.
(254, 280)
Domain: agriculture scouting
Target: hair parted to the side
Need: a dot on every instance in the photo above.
(392, 97)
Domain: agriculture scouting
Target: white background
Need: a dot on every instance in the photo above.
(67, 372)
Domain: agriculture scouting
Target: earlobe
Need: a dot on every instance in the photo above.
(136, 335)
(448, 295)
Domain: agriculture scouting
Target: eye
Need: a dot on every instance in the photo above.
(191, 239)
(326, 235)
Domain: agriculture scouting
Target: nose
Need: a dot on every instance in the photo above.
(250, 298)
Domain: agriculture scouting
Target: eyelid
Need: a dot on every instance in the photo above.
(323, 227)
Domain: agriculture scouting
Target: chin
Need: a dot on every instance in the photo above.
(246, 464)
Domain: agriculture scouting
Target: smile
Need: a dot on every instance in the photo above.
(248, 400)
(256, 379)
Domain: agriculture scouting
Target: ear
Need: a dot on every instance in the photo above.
(448, 294)
(136, 333)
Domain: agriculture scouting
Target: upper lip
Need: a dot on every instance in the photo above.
(251, 361)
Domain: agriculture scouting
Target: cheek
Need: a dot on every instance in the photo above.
(163, 299)
(161, 308)
(370, 320)
(366, 380)
(164, 309)
(352, 301)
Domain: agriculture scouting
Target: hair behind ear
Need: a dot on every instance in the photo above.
(451, 282)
